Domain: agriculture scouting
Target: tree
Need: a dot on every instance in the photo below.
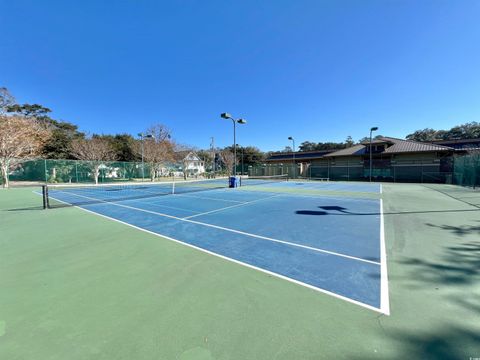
(469, 130)
(6, 100)
(157, 148)
(366, 139)
(20, 139)
(464, 131)
(207, 156)
(349, 142)
(307, 146)
(95, 150)
(249, 156)
(228, 159)
(36, 111)
(423, 135)
(330, 146)
(59, 146)
(124, 146)
(311, 146)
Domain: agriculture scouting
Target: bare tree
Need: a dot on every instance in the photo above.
(228, 159)
(20, 139)
(95, 150)
(157, 148)
(6, 100)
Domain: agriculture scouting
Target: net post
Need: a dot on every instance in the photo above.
(46, 204)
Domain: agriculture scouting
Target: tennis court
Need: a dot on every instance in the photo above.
(334, 245)
(80, 285)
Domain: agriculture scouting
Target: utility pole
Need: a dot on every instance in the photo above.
(212, 147)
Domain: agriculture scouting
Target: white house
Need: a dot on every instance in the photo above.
(193, 165)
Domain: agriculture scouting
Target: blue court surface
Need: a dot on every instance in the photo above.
(330, 244)
(330, 186)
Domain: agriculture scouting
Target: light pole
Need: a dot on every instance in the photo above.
(242, 160)
(293, 155)
(212, 147)
(375, 128)
(234, 121)
(142, 137)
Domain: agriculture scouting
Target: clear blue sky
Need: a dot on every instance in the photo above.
(316, 70)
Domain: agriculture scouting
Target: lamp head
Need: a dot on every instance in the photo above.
(226, 115)
(375, 128)
(290, 138)
(241, 121)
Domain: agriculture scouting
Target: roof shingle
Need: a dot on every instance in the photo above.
(396, 146)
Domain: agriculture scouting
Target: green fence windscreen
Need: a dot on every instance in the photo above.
(78, 171)
(459, 170)
(466, 170)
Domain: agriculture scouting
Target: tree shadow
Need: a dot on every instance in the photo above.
(339, 211)
(460, 231)
(451, 343)
(457, 271)
(459, 264)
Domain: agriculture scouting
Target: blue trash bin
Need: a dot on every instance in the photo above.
(233, 181)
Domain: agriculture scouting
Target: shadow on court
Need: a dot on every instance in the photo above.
(450, 277)
(458, 265)
(442, 344)
(33, 208)
(338, 210)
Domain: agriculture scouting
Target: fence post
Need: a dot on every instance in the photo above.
(76, 171)
(46, 170)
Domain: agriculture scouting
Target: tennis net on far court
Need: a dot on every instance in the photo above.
(262, 180)
(84, 194)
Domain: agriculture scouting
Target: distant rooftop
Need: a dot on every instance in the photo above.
(459, 144)
(298, 155)
(393, 146)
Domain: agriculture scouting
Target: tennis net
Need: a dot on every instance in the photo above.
(85, 194)
(262, 180)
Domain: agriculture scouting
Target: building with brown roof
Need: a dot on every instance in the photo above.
(392, 160)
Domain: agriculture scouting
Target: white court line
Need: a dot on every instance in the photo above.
(384, 295)
(208, 198)
(234, 231)
(283, 277)
(160, 205)
(232, 206)
(321, 196)
(325, 192)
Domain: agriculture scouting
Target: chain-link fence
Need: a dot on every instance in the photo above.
(461, 170)
(467, 170)
(79, 171)
(356, 172)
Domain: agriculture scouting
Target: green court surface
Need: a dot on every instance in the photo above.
(79, 286)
